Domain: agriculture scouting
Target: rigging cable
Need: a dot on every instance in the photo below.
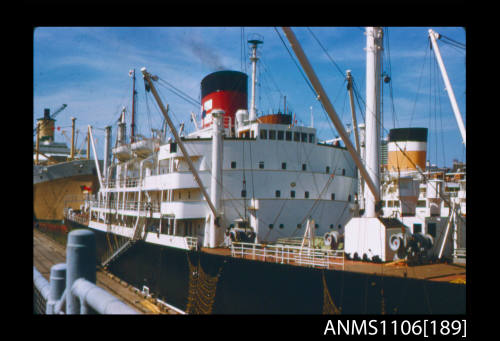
(298, 67)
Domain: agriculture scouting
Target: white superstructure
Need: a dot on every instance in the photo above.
(288, 176)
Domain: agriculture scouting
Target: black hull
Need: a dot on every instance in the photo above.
(255, 287)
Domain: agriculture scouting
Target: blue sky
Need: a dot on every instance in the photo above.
(87, 69)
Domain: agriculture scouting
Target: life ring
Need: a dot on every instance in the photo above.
(328, 239)
(395, 242)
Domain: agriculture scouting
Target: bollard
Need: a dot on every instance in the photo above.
(81, 263)
(57, 286)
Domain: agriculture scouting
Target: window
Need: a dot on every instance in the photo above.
(271, 226)
(327, 170)
(288, 135)
(421, 203)
(333, 196)
(292, 194)
(296, 136)
(282, 226)
(304, 166)
(243, 193)
(340, 226)
(417, 228)
(316, 226)
(278, 194)
(299, 226)
(349, 198)
(306, 195)
(304, 137)
(173, 147)
(331, 226)
(343, 171)
(431, 229)
(263, 134)
(261, 164)
(281, 134)
(233, 164)
(283, 165)
(311, 138)
(272, 134)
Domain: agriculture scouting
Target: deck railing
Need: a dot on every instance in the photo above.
(128, 183)
(129, 205)
(289, 254)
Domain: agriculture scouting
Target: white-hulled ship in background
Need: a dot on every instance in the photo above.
(61, 176)
(244, 181)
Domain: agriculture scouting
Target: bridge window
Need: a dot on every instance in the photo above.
(311, 138)
(304, 137)
(306, 195)
(292, 194)
(327, 170)
(333, 196)
(343, 171)
(281, 135)
(296, 136)
(278, 194)
(233, 164)
(261, 164)
(304, 166)
(283, 165)
(263, 134)
(288, 135)
(272, 134)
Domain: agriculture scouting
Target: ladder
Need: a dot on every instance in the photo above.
(139, 226)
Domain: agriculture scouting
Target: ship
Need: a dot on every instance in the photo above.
(224, 220)
(62, 177)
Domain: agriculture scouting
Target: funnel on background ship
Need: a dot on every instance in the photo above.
(407, 149)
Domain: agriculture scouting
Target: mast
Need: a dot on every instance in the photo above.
(37, 142)
(433, 35)
(132, 125)
(107, 145)
(330, 110)
(372, 132)
(72, 151)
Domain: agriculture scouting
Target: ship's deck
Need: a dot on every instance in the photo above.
(434, 272)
